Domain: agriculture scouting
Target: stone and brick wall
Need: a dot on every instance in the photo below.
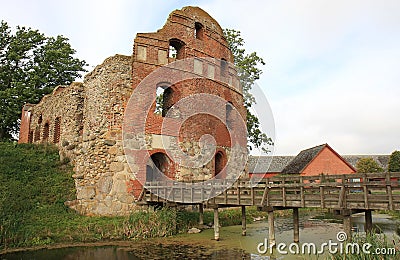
(86, 119)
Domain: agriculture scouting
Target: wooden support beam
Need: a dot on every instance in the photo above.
(271, 229)
(201, 214)
(389, 191)
(296, 225)
(216, 224)
(368, 221)
(347, 224)
(243, 220)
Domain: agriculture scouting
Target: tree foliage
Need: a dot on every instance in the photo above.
(249, 72)
(368, 165)
(31, 66)
(394, 162)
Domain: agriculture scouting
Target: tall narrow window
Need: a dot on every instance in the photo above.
(176, 49)
(46, 131)
(219, 166)
(168, 101)
(37, 134)
(30, 137)
(228, 115)
(199, 31)
(57, 130)
(224, 66)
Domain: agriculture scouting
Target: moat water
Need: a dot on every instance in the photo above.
(231, 245)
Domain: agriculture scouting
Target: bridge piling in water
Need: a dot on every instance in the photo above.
(296, 225)
(216, 224)
(244, 221)
(271, 229)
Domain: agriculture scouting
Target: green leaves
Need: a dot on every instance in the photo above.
(248, 73)
(394, 162)
(31, 66)
(368, 165)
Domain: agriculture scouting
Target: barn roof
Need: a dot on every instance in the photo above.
(264, 164)
(304, 158)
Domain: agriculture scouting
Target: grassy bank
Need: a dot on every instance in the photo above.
(34, 186)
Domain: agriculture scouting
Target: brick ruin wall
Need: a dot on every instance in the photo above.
(85, 119)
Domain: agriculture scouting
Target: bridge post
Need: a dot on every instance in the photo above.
(368, 221)
(201, 214)
(296, 225)
(271, 229)
(216, 224)
(243, 220)
(347, 223)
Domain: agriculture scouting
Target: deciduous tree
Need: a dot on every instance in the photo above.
(31, 66)
(394, 162)
(249, 72)
(368, 165)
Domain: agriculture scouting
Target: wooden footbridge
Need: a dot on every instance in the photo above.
(345, 194)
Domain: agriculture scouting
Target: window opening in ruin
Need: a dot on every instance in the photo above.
(37, 134)
(167, 101)
(224, 65)
(40, 120)
(57, 129)
(46, 130)
(164, 99)
(159, 100)
(176, 49)
(199, 31)
(219, 166)
(30, 137)
(228, 114)
(158, 167)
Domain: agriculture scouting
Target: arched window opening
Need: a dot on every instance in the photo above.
(30, 137)
(167, 101)
(219, 166)
(159, 100)
(158, 168)
(199, 31)
(176, 49)
(37, 134)
(57, 130)
(46, 130)
(228, 114)
(164, 98)
(40, 119)
(224, 65)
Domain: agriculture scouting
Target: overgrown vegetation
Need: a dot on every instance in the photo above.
(34, 185)
(378, 248)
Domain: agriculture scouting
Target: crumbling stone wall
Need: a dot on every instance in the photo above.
(91, 116)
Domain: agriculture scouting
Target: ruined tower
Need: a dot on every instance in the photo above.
(91, 122)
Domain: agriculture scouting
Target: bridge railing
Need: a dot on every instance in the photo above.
(367, 191)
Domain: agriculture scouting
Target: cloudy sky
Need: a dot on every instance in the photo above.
(333, 67)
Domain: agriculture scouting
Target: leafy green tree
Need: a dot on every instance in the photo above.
(368, 165)
(394, 162)
(31, 66)
(248, 73)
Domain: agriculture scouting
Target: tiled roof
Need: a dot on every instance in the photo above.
(302, 159)
(264, 164)
(382, 160)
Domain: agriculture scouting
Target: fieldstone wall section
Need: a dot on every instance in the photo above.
(86, 119)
